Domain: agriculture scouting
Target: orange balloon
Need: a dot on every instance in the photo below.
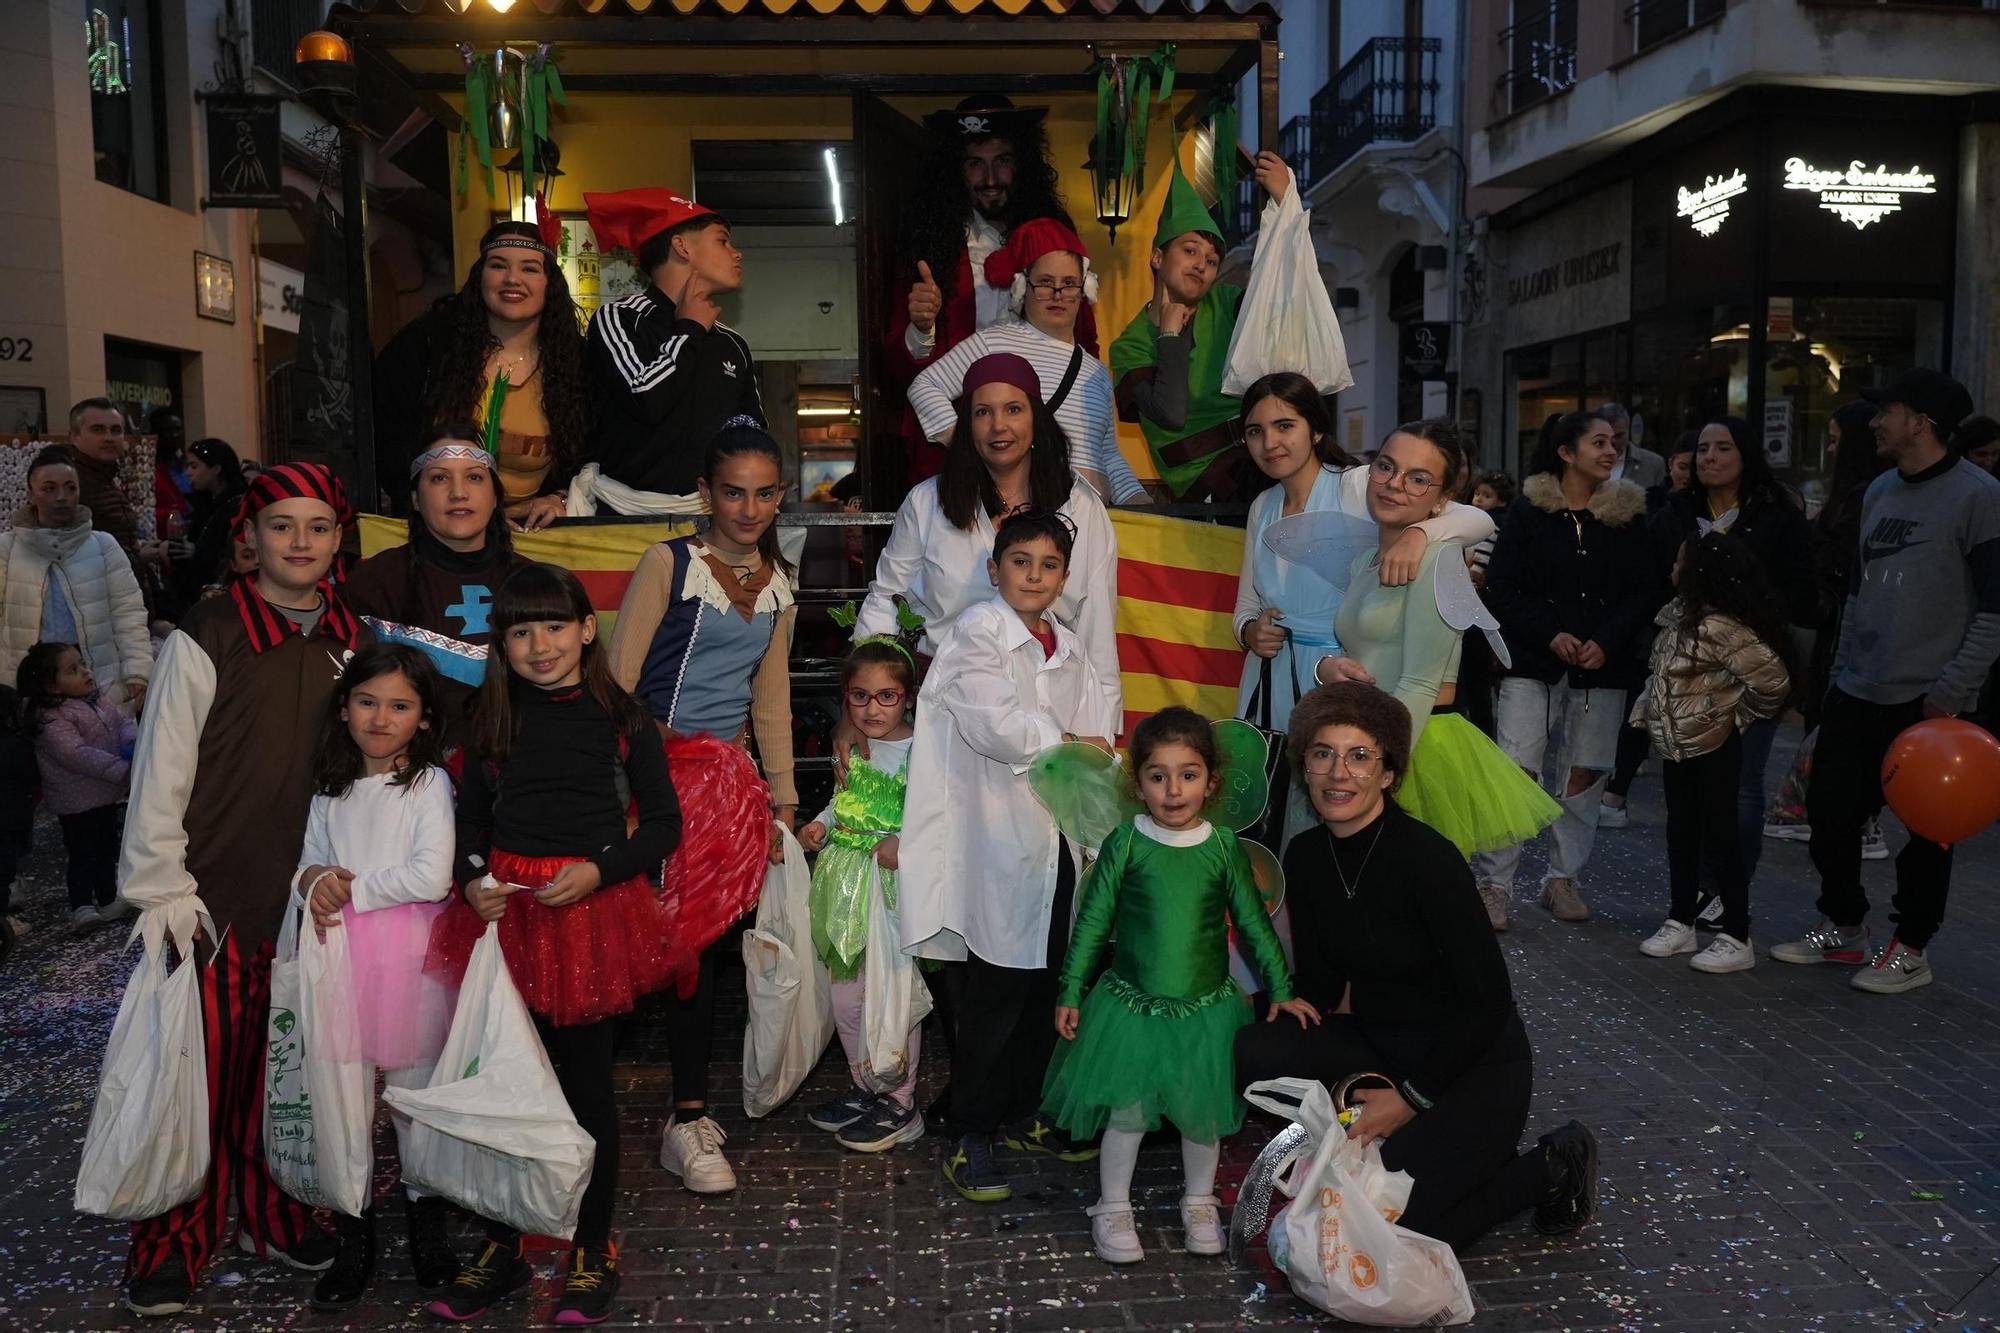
(1942, 778)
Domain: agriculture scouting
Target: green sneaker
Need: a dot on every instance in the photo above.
(1043, 1136)
(970, 1168)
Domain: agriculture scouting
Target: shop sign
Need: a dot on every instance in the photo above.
(1860, 194)
(1576, 271)
(1778, 431)
(1426, 348)
(1567, 271)
(1707, 208)
(281, 293)
(245, 151)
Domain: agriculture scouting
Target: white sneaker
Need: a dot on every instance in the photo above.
(1874, 847)
(1114, 1233)
(692, 1150)
(1612, 816)
(1896, 969)
(1725, 953)
(1788, 830)
(1671, 938)
(1201, 1224)
(84, 918)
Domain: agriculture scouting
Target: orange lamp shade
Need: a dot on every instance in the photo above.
(323, 46)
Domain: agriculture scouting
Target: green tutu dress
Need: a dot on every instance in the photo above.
(1157, 1036)
(866, 810)
(1465, 787)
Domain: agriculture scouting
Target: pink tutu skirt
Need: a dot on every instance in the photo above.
(404, 1009)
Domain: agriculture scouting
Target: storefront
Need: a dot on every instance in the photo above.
(1767, 258)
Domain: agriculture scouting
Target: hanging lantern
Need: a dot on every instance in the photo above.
(1116, 192)
(1126, 89)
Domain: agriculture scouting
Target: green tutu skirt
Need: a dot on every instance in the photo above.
(1139, 1059)
(1465, 787)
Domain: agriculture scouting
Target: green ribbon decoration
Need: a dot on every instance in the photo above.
(481, 91)
(494, 400)
(543, 85)
(1223, 132)
(1126, 90)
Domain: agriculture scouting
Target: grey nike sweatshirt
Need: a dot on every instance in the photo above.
(1923, 607)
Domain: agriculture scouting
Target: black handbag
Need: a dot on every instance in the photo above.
(1269, 829)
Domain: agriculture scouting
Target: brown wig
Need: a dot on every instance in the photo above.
(337, 761)
(965, 487)
(1347, 703)
(1176, 726)
(457, 386)
(1303, 397)
(546, 593)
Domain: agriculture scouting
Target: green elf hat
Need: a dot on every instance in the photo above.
(1184, 212)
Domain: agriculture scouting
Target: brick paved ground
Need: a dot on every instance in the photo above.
(1766, 1139)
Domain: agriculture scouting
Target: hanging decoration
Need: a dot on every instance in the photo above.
(507, 98)
(1223, 129)
(1127, 87)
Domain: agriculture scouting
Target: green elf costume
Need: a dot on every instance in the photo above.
(1156, 372)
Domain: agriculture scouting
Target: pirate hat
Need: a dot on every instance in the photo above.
(627, 219)
(983, 116)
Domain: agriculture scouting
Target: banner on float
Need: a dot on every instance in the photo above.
(1176, 597)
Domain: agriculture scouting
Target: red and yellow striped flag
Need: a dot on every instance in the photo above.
(1176, 598)
(1176, 595)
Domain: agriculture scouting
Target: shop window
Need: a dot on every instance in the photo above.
(1539, 48)
(1688, 368)
(1562, 376)
(1656, 21)
(141, 378)
(128, 120)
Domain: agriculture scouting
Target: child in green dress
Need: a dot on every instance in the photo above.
(857, 838)
(1154, 1039)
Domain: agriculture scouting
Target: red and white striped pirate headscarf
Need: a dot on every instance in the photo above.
(292, 481)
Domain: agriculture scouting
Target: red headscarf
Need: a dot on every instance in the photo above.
(627, 219)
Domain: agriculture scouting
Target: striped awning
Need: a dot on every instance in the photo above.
(822, 7)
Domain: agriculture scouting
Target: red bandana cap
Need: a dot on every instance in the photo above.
(1003, 368)
(627, 219)
(295, 481)
(1029, 242)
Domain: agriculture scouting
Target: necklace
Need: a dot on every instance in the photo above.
(1334, 847)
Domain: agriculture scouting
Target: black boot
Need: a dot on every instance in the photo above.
(1571, 1153)
(431, 1256)
(342, 1285)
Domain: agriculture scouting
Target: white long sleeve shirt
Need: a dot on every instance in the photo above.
(978, 850)
(941, 571)
(398, 841)
(1088, 416)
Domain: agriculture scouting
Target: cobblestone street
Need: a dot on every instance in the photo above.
(1779, 1151)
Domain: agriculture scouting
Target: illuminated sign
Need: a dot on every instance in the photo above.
(1707, 209)
(1861, 194)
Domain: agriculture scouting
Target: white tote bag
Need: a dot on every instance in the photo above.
(1338, 1242)
(147, 1148)
(492, 1132)
(1286, 320)
(791, 1004)
(319, 1092)
(894, 999)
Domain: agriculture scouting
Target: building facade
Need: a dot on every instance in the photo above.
(1700, 208)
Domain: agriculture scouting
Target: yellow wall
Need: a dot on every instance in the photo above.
(616, 141)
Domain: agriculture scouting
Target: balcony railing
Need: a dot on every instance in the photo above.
(275, 29)
(1388, 93)
(1539, 49)
(1656, 21)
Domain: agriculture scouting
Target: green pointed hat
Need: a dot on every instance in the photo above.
(1185, 212)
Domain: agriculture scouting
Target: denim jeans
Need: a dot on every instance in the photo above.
(1549, 729)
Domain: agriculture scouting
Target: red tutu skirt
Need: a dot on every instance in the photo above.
(575, 964)
(714, 877)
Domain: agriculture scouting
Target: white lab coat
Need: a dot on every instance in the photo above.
(979, 851)
(941, 571)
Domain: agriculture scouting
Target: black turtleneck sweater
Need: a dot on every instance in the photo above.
(558, 793)
(1430, 986)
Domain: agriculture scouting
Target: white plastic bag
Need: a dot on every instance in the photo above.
(319, 1091)
(1286, 320)
(1338, 1242)
(493, 1132)
(147, 1149)
(894, 999)
(791, 1002)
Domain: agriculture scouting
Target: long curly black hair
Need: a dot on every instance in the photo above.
(1718, 573)
(459, 382)
(935, 212)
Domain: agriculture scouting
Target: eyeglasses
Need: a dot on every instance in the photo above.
(1360, 760)
(858, 698)
(1057, 291)
(1415, 482)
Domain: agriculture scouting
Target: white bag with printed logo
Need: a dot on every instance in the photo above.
(1286, 320)
(492, 1132)
(1337, 1241)
(894, 999)
(147, 1149)
(319, 1090)
(791, 1001)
